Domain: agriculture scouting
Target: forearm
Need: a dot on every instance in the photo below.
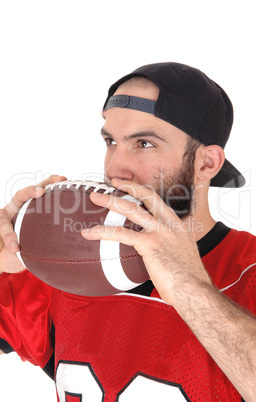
(227, 333)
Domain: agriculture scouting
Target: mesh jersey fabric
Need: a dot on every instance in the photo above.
(130, 347)
(25, 316)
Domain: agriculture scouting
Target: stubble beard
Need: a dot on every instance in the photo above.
(176, 190)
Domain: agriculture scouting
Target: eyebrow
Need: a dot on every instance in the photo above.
(140, 134)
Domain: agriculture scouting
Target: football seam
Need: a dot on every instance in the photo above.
(62, 261)
(85, 186)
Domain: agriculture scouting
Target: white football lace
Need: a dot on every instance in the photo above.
(80, 183)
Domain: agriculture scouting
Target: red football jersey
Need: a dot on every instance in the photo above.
(131, 347)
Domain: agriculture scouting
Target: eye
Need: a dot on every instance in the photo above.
(145, 144)
(109, 141)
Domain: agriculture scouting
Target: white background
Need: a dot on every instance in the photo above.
(57, 60)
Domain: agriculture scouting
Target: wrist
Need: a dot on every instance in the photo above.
(184, 288)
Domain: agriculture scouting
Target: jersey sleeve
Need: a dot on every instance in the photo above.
(232, 267)
(25, 316)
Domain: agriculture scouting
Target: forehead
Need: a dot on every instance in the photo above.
(120, 121)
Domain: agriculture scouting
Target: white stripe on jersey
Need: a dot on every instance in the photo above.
(160, 300)
(232, 284)
(141, 297)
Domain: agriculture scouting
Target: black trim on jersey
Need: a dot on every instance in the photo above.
(5, 347)
(73, 395)
(49, 368)
(145, 289)
(53, 335)
(212, 238)
(159, 380)
(72, 362)
(205, 245)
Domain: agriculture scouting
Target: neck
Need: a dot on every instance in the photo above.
(198, 227)
(200, 222)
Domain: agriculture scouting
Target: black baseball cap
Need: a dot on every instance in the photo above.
(190, 101)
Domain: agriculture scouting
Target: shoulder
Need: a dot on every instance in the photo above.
(22, 284)
(241, 245)
(25, 305)
(233, 256)
(238, 245)
(23, 295)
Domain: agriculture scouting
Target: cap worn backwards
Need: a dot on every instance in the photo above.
(190, 101)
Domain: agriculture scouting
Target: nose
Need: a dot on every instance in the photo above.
(119, 166)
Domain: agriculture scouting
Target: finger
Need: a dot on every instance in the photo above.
(131, 210)
(51, 179)
(7, 214)
(20, 198)
(112, 233)
(26, 193)
(9, 262)
(148, 197)
(7, 236)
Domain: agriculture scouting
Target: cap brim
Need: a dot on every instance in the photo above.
(228, 176)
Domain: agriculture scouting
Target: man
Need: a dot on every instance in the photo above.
(175, 337)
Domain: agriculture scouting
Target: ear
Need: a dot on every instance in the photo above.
(209, 161)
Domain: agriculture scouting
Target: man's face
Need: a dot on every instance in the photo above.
(148, 151)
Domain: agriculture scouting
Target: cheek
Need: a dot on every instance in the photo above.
(110, 157)
(161, 173)
(144, 173)
(106, 160)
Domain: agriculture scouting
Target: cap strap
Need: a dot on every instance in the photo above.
(131, 102)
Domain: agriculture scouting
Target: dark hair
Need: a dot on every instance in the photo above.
(190, 151)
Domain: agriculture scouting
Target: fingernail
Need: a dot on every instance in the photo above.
(95, 194)
(117, 181)
(84, 232)
(14, 245)
(39, 190)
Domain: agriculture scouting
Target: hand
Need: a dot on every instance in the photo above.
(9, 262)
(167, 246)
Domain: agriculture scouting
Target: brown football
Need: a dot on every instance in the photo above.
(53, 249)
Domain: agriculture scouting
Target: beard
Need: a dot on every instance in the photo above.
(176, 190)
